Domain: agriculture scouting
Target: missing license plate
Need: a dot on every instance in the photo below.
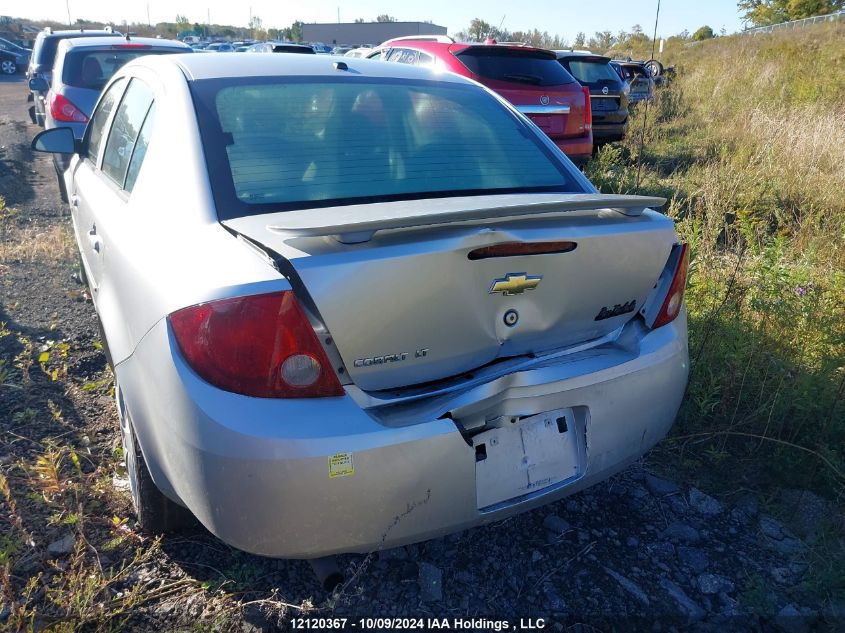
(520, 457)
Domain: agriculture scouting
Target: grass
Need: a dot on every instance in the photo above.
(747, 143)
(22, 242)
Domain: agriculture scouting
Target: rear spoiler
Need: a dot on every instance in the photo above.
(352, 224)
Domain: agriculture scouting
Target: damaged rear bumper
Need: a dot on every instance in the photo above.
(309, 478)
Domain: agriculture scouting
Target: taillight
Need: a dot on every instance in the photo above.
(673, 299)
(62, 109)
(259, 345)
(588, 119)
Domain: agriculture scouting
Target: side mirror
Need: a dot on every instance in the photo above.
(58, 140)
(38, 84)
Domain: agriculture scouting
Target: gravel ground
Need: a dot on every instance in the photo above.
(636, 552)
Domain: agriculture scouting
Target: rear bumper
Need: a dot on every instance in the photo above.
(578, 150)
(256, 472)
(607, 132)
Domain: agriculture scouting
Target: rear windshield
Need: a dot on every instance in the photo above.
(530, 67)
(284, 48)
(93, 68)
(275, 144)
(592, 72)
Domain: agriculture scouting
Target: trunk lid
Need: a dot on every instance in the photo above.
(406, 304)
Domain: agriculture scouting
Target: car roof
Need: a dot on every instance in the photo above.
(582, 56)
(433, 43)
(98, 42)
(198, 67)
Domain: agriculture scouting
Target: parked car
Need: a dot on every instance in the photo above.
(608, 93)
(320, 48)
(82, 67)
(307, 278)
(638, 78)
(280, 47)
(42, 58)
(530, 78)
(219, 47)
(13, 58)
(358, 52)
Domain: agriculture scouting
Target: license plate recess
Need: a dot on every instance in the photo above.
(522, 456)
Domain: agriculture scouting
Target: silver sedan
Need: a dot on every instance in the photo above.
(352, 304)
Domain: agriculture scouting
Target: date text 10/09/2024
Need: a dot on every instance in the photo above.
(416, 624)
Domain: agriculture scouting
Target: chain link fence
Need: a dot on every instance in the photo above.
(796, 24)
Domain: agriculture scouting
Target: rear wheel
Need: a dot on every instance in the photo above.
(8, 67)
(156, 513)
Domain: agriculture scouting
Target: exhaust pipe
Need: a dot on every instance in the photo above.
(327, 572)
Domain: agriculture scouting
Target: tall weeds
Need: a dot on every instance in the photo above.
(748, 143)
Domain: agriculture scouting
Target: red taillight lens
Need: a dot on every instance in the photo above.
(259, 345)
(588, 119)
(674, 298)
(61, 109)
(514, 249)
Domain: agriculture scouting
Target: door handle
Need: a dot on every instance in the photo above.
(94, 240)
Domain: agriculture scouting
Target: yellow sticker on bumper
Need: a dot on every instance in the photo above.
(340, 465)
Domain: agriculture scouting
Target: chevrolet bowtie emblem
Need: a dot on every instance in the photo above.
(515, 283)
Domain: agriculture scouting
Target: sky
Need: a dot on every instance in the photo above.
(563, 17)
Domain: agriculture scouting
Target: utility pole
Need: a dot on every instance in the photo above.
(338, 15)
(149, 22)
(67, 5)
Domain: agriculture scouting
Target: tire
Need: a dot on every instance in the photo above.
(655, 68)
(61, 182)
(8, 67)
(156, 513)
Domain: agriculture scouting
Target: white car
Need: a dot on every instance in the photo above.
(355, 304)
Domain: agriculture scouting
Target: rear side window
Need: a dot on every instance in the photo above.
(92, 69)
(96, 128)
(311, 144)
(592, 72)
(403, 56)
(140, 150)
(530, 67)
(125, 129)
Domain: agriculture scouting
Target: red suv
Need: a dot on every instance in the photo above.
(530, 78)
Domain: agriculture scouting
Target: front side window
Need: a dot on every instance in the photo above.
(101, 117)
(303, 144)
(125, 129)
